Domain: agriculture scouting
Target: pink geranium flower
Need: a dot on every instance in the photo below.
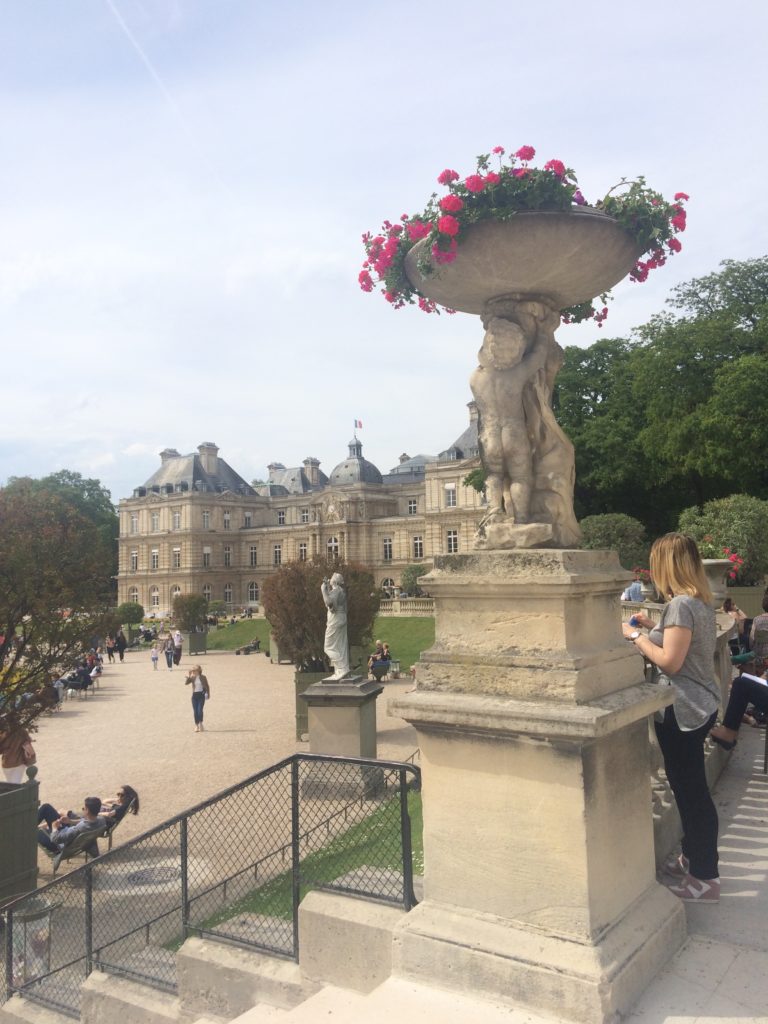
(556, 166)
(451, 203)
(492, 178)
(675, 244)
(681, 195)
(417, 229)
(475, 183)
(447, 176)
(448, 225)
(366, 281)
(441, 256)
(525, 153)
(498, 150)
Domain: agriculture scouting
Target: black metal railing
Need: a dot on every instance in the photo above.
(234, 867)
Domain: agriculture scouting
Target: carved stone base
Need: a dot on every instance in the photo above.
(342, 716)
(501, 536)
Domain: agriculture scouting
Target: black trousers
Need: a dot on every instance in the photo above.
(684, 764)
(743, 692)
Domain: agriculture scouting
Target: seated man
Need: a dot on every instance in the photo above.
(63, 833)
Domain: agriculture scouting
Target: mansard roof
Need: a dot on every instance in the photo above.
(186, 473)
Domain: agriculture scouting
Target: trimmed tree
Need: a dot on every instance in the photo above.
(616, 532)
(130, 613)
(189, 612)
(296, 611)
(54, 593)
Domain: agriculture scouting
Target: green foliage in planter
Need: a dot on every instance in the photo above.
(189, 611)
(739, 522)
(616, 532)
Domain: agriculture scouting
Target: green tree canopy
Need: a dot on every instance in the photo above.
(189, 611)
(617, 532)
(129, 613)
(410, 576)
(54, 594)
(296, 611)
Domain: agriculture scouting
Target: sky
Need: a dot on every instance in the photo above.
(184, 185)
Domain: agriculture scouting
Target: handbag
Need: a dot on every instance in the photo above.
(28, 755)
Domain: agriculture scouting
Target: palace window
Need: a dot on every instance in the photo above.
(176, 558)
(253, 553)
(175, 592)
(413, 506)
(227, 518)
(452, 537)
(154, 561)
(227, 556)
(303, 551)
(277, 554)
(418, 547)
(247, 519)
(450, 495)
(388, 586)
(154, 597)
(206, 558)
(228, 593)
(206, 519)
(133, 595)
(176, 519)
(207, 591)
(134, 522)
(387, 542)
(134, 560)
(154, 521)
(281, 517)
(253, 591)
(305, 515)
(332, 547)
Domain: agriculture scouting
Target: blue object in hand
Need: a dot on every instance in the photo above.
(633, 621)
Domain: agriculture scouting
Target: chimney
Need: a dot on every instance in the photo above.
(474, 414)
(404, 458)
(312, 470)
(168, 453)
(209, 457)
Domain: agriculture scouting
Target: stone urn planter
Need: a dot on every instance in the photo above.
(717, 570)
(517, 275)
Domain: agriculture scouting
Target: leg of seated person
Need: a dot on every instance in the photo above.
(47, 813)
(744, 692)
(43, 839)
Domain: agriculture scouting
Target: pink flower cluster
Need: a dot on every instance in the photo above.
(658, 257)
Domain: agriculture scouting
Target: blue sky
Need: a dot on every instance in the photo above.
(184, 186)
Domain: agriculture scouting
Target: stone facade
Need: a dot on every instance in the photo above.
(196, 526)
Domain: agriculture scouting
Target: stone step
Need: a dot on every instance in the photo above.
(19, 1010)
(107, 998)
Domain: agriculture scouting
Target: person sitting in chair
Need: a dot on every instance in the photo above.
(63, 833)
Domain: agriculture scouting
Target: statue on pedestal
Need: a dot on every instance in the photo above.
(336, 644)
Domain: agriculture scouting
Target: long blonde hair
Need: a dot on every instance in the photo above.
(676, 568)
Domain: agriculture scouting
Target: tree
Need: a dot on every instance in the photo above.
(130, 613)
(296, 611)
(739, 522)
(54, 594)
(189, 612)
(91, 499)
(410, 576)
(617, 532)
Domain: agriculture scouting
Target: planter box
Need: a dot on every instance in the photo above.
(196, 643)
(18, 839)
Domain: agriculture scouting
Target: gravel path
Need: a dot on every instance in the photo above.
(137, 728)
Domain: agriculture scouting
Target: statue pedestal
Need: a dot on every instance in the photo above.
(531, 713)
(342, 716)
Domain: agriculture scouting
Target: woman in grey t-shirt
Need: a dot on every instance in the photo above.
(682, 648)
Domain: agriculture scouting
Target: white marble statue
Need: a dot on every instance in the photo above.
(336, 641)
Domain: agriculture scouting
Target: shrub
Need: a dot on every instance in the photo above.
(738, 522)
(617, 532)
(189, 611)
(129, 613)
(409, 579)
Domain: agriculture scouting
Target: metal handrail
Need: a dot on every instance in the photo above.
(85, 926)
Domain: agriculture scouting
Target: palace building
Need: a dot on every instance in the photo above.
(196, 526)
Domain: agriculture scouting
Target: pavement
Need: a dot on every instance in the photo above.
(138, 729)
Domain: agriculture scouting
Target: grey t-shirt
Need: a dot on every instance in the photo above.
(697, 693)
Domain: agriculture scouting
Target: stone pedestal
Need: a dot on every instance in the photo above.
(342, 716)
(531, 713)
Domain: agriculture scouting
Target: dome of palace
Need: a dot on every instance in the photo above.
(355, 469)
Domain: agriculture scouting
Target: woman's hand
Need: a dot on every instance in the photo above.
(642, 620)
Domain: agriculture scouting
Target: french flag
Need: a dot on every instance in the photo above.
(358, 424)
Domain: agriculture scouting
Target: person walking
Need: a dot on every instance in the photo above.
(681, 649)
(109, 643)
(178, 641)
(201, 692)
(154, 655)
(120, 643)
(168, 651)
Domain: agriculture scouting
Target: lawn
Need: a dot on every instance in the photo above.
(407, 637)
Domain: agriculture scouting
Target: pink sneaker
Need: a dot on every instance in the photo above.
(676, 867)
(697, 890)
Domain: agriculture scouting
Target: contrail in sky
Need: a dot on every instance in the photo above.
(144, 58)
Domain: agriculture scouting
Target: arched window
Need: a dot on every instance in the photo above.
(175, 592)
(154, 597)
(207, 591)
(388, 585)
(253, 591)
(332, 547)
(228, 593)
(133, 595)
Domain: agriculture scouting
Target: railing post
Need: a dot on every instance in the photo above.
(8, 952)
(295, 854)
(409, 897)
(183, 855)
(88, 919)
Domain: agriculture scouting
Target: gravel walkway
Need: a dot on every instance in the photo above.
(137, 728)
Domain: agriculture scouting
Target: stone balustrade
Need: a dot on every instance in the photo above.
(420, 607)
